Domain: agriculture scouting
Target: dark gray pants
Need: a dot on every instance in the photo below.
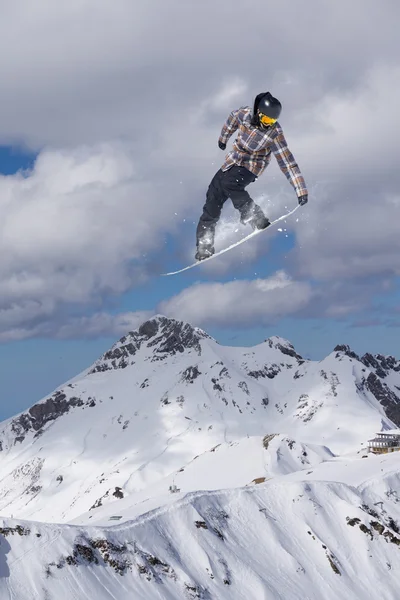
(226, 184)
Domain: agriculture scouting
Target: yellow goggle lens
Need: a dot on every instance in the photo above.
(266, 120)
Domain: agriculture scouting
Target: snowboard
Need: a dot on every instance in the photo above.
(244, 239)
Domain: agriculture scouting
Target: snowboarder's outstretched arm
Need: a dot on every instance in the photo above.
(231, 125)
(288, 165)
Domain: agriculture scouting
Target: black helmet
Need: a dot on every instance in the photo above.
(268, 105)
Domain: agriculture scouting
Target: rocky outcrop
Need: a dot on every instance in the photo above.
(385, 396)
(345, 349)
(162, 336)
(284, 346)
(382, 365)
(42, 413)
(269, 371)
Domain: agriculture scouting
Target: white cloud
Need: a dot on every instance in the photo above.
(102, 324)
(351, 238)
(239, 303)
(93, 326)
(231, 93)
(71, 228)
(353, 134)
(81, 71)
(126, 112)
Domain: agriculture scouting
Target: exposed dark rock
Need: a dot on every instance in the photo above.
(152, 567)
(94, 551)
(347, 351)
(267, 439)
(99, 501)
(269, 371)
(387, 398)
(370, 511)
(34, 489)
(149, 329)
(216, 385)
(289, 351)
(86, 552)
(176, 337)
(165, 336)
(164, 400)
(365, 530)
(393, 525)
(194, 592)
(244, 387)
(332, 561)
(42, 413)
(106, 546)
(224, 373)
(21, 425)
(118, 493)
(378, 527)
(6, 531)
(381, 364)
(392, 538)
(286, 348)
(190, 374)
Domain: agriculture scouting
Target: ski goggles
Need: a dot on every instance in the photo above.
(267, 121)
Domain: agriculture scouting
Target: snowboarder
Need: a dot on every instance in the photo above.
(259, 136)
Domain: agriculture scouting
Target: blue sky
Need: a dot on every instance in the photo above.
(106, 156)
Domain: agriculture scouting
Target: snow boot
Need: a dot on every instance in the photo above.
(257, 220)
(204, 250)
(260, 222)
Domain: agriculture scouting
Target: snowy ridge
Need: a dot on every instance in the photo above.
(286, 539)
(229, 429)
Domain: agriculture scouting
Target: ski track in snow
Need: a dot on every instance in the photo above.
(156, 456)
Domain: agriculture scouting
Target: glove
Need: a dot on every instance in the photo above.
(221, 145)
(303, 199)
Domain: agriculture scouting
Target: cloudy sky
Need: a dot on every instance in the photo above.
(110, 114)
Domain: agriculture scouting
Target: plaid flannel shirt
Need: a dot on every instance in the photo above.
(253, 148)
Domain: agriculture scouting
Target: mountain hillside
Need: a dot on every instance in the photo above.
(294, 538)
(124, 470)
(167, 393)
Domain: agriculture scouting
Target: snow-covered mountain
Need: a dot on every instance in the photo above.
(267, 453)
(330, 534)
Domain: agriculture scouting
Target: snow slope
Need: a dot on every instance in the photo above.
(285, 539)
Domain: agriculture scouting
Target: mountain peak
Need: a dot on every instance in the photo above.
(345, 349)
(280, 343)
(160, 336)
(381, 364)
